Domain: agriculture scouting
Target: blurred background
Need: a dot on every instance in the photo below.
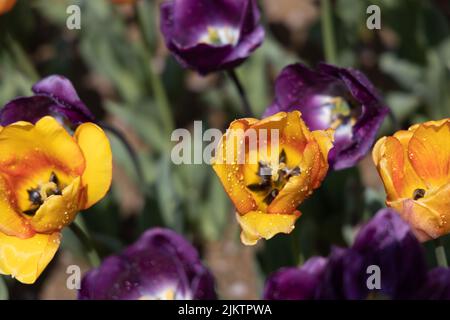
(123, 72)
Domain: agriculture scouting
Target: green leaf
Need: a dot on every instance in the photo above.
(4, 294)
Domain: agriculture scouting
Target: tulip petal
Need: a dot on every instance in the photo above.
(429, 152)
(11, 223)
(423, 220)
(391, 158)
(24, 148)
(257, 224)
(25, 259)
(226, 165)
(96, 150)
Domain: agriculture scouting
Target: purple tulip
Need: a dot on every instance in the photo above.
(54, 96)
(295, 283)
(207, 35)
(331, 97)
(386, 242)
(161, 265)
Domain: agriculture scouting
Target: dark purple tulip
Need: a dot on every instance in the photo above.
(385, 241)
(295, 283)
(54, 96)
(160, 265)
(207, 35)
(332, 97)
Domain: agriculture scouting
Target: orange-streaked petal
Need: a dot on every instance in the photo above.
(227, 167)
(295, 131)
(383, 168)
(257, 225)
(59, 211)
(97, 152)
(25, 259)
(324, 139)
(429, 153)
(11, 222)
(27, 150)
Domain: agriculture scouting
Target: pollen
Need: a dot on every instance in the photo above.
(273, 178)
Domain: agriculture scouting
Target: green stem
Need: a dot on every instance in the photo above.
(441, 257)
(240, 88)
(161, 98)
(21, 57)
(82, 235)
(329, 43)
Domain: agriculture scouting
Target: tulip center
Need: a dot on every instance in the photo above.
(341, 113)
(219, 36)
(273, 178)
(418, 194)
(39, 194)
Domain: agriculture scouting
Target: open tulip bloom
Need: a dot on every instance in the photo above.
(387, 242)
(414, 166)
(335, 98)
(266, 193)
(47, 177)
(161, 265)
(207, 35)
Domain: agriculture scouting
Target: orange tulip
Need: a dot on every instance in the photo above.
(266, 191)
(46, 177)
(6, 5)
(414, 165)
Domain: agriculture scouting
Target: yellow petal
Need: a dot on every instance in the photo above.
(383, 168)
(25, 259)
(228, 167)
(97, 152)
(25, 147)
(429, 153)
(257, 224)
(59, 211)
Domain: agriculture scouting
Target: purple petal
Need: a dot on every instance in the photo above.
(29, 109)
(54, 96)
(295, 283)
(61, 90)
(161, 263)
(388, 242)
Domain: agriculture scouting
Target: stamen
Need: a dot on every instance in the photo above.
(38, 195)
(271, 196)
(34, 196)
(418, 193)
(273, 179)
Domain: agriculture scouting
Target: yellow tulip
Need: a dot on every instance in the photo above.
(414, 166)
(46, 177)
(266, 193)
